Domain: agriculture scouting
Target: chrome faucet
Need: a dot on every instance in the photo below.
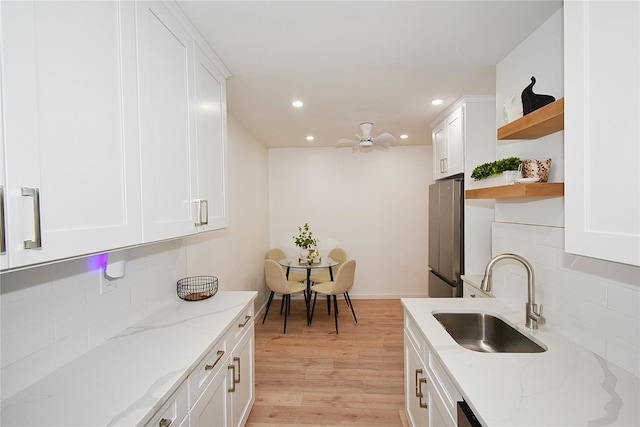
(533, 315)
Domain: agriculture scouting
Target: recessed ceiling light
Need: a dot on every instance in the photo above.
(437, 101)
(404, 136)
(297, 104)
(310, 138)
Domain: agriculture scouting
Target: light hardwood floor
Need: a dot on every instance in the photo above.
(313, 377)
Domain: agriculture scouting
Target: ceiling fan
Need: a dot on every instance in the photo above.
(365, 140)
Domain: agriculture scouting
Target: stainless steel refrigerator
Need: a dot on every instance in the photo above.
(446, 237)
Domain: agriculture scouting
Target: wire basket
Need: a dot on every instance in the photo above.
(197, 288)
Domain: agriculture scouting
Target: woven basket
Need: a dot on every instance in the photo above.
(197, 288)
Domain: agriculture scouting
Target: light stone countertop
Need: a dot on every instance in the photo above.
(125, 380)
(567, 385)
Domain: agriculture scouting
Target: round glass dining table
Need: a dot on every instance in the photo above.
(325, 262)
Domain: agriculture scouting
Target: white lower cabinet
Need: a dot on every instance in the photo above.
(430, 396)
(222, 387)
(220, 391)
(414, 386)
(174, 412)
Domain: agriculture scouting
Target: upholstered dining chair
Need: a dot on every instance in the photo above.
(278, 283)
(343, 281)
(277, 254)
(339, 255)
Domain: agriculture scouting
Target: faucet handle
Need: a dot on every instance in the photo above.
(535, 313)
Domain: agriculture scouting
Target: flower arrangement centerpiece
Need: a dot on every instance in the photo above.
(307, 243)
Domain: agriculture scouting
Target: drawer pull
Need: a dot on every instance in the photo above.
(165, 422)
(210, 367)
(246, 320)
(472, 295)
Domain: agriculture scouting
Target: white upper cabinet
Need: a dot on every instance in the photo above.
(168, 161)
(602, 137)
(70, 122)
(448, 145)
(183, 130)
(211, 136)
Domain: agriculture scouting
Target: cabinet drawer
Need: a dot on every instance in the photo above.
(202, 375)
(173, 412)
(240, 325)
(412, 332)
(444, 385)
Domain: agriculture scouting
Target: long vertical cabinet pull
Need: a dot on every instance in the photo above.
(3, 234)
(419, 393)
(204, 212)
(37, 242)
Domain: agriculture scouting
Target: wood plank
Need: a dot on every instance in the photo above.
(313, 377)
(536, 189)
(541, 122)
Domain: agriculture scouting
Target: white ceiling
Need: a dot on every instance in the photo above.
(356, 61)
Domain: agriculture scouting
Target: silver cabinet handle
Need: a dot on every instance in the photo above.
(246, 320)
(198, 208)
(422, 404)
(232, 368)
(204, 218)
(37, 242)
(210, 367)
(165, 422)
(3, 239)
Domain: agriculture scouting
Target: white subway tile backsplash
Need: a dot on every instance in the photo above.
(622, 354)
(593, 302)
(27, 341)
(53, 314)
(623, 299)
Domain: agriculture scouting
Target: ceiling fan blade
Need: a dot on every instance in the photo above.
(384, 138)
(344, 142)
(382, 145)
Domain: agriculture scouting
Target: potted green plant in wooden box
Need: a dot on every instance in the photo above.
(501, 172)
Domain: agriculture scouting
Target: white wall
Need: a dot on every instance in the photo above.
(53, 314)
(373, 204)
(595, 303)
(540, 55)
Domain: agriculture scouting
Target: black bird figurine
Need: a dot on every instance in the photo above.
(532, 101)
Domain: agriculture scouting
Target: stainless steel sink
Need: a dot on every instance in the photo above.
(486, 333)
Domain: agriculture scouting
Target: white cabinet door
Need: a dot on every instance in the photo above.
(4, 255)
(165, 52)
(415, 375)
(455, 142)
(439, 140)
(71, 128)
(448, 145)
(211, 134)
(602, 137)
(212, 408)
(243, 394)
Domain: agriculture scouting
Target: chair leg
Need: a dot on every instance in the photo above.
(268, 305)
(313, 308)
(350, 304)
(335, 311)
(286, 303)
(328, 305)
(281, 304)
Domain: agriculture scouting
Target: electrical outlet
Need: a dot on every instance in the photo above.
(106, 285)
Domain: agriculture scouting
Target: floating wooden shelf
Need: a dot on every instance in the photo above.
(537, 189)
(541, 122)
